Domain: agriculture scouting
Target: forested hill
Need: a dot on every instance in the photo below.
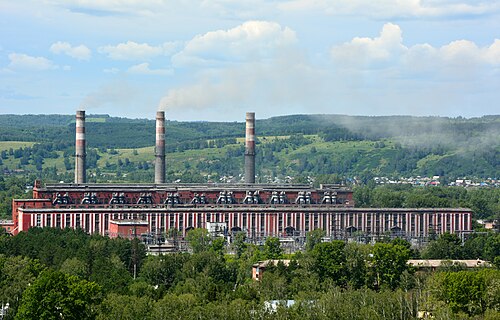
(107, 131)
(289, 145)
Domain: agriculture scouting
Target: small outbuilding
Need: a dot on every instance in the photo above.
(259, 267)
(129, 229)
(434, 264)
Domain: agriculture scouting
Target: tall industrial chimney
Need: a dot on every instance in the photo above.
(250, 148)
(160, 148)
(80, 155)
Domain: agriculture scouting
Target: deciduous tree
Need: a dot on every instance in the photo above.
(329, 261)
(55, 295)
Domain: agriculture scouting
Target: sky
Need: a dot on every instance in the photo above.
(215, 60)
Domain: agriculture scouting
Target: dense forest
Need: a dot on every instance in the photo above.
(299, 146)
(67, 274)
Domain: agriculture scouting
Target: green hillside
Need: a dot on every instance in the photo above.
(296, 146)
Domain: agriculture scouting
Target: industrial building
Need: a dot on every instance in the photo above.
(259, 210)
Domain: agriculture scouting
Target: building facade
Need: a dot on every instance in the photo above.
(259, 210)
(256, 210)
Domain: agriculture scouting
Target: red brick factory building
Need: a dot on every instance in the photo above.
(260, 210)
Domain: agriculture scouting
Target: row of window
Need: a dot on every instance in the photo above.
(56, 220)
(339, 221)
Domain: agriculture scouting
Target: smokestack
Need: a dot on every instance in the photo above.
(160, 147)
(80, 174)
(250, 148)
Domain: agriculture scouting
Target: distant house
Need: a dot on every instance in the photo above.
(7, 225)
(259, 267)
(434, 264)
(489, 224)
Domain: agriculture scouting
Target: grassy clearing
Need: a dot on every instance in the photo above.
(424, 162)
(336, 146)
(6, 145)
(57, 162)
(142, 154)
(100, 120)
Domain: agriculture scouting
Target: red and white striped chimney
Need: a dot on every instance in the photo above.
(80, 155)
(250, 148)
(160, 148)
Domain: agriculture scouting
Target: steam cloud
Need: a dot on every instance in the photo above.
(120, 93)
(285, 86)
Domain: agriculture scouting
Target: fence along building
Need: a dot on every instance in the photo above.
(259, 210)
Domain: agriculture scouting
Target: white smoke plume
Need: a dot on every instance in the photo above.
(116, 93)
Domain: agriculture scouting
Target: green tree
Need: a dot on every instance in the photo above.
(163, 270)
(174, 306)
(385, 198)
(16, 274)
(239, 244)
(463, 291)
(447, 246)
(389, 261)
(273, 286)
(363, 196)
(313, 238)
(75, 267)
(329, 261)
(198, 239)
(124, 307)
(492, 248)
(111, 274)
(55, 295)
(218, 245)
(356, 262)
(272, 248)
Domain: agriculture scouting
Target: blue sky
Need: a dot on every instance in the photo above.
(215, 60)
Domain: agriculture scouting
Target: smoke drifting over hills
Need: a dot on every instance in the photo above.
(116, 93)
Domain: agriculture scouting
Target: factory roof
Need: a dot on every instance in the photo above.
(195, 187)
(265, 263)
(444, 263)
(129, 222)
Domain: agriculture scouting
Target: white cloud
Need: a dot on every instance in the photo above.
(492, 53)
(137, 51)
(111, 70)
(143, 68)
(458, 59)
(394, 8)
(136, 7)
(460, 51)
(26, 62)
(250, 41)
(368, 50)
(80, 52)
(388, 50)
(379, 75)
